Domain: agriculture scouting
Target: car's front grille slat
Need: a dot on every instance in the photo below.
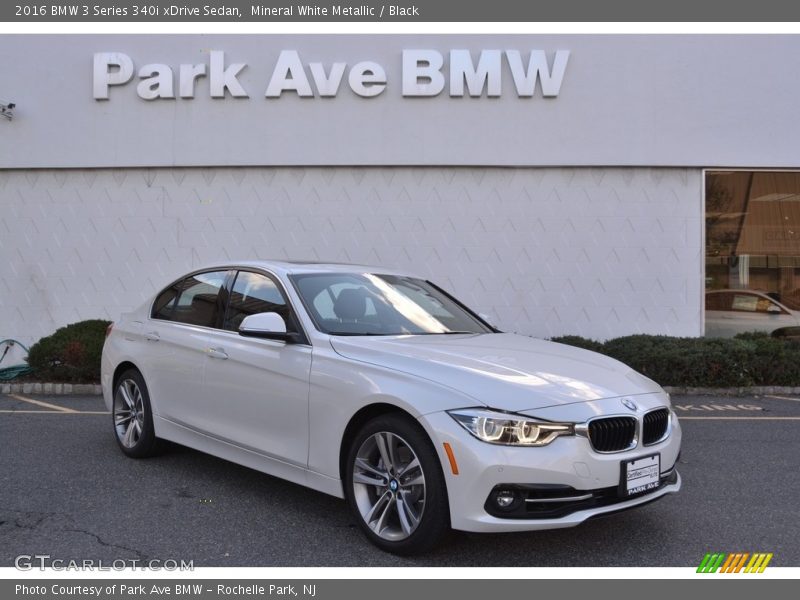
(612, 434)
(654, 426)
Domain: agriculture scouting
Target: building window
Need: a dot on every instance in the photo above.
(752, 243)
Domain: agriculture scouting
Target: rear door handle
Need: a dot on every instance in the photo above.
(217, 353)
(152, 336)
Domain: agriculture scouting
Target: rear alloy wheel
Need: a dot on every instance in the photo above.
(133, 420)
(395, 486)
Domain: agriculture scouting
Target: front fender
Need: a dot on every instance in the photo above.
(340, 387)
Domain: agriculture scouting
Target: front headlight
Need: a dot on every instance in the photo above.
(509, 429)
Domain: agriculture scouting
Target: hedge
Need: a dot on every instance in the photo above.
(748, 359)
(72, 354)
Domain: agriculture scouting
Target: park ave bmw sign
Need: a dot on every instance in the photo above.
(425, 73)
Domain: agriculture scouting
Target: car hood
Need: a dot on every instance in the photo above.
(501, 370)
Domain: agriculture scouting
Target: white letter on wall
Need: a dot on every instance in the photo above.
(422, 64)
(367, 79)
(327, 85)
(289, 75)
(538, 69)
(188, 75)
(221, 78)
(487, 73)
(104, 77)
(158, 83)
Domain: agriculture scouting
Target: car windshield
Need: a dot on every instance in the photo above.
(371, 304)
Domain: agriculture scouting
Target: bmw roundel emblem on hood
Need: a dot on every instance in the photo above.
(630, 404)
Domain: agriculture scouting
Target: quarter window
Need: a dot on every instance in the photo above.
(165, 303)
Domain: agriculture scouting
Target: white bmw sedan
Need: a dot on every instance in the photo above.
(381, 388)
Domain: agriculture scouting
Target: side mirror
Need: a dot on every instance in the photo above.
(774, 309)
(268, 326)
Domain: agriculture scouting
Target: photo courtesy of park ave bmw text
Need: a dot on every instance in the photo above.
(597, 185)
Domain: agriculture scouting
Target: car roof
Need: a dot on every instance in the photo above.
(292, 267)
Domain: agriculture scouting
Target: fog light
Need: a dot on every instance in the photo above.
(505, 498)
(506, 501)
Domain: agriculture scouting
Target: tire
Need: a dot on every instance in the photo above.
(132, 417)
(787, 333)
(402, 509)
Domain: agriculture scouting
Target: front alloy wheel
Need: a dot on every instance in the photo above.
(389, 486)
(395, 485)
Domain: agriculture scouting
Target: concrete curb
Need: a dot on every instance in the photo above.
(52, 389)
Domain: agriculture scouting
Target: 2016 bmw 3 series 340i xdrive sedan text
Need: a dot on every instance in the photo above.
(380, 388)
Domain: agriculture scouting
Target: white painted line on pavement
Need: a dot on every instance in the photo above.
(56, 412)
(782, 398)
(42, 404)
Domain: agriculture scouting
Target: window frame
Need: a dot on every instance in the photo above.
(230, 277)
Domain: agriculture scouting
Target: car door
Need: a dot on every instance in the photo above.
(256, 390)
(718, 311)
(176, 339)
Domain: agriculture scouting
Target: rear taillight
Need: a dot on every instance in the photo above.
(109, 328)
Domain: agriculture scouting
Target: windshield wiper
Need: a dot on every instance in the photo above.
(461, 332)
(358, 333)
(400, 333)
(451, 333)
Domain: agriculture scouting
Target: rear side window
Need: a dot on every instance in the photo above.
(195, 300)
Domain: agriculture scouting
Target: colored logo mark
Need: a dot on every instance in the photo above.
(738, 562)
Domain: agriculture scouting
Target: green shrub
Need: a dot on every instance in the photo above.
(746, 360)
(685, 361)
(775, 361)
(71, 354)
(579, 342)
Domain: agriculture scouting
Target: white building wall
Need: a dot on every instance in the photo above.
(550, 251)
(625, 100)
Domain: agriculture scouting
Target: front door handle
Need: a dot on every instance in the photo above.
(152, 336)
(217, 353)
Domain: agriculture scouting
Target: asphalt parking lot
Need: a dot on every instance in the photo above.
(67, 491)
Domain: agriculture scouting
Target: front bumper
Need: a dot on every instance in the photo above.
(567, 463)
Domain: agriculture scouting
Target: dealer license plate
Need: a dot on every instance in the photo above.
(640, 475)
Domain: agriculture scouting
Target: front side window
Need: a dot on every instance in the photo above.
(754, 303)
(370, 304)
(254, 293)
(195, 300)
